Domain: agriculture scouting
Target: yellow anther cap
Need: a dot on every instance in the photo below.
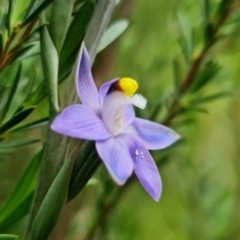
(128, 86)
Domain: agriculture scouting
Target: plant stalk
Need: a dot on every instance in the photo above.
(57, 145)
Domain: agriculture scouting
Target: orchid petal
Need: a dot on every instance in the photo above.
(104, 89)
(86, 87)
(116, 159)
(143, 165)
(79, 121)
(129, 115)
(154, 135)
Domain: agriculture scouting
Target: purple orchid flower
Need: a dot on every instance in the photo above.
(107, 117)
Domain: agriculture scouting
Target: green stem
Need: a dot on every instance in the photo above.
(56, 145)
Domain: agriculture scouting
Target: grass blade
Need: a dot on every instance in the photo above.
(112, 33)
(60, 20)
(12, 92)
(19, 117)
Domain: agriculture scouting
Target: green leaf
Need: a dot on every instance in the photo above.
(25, 185)
(185, 122)
(185, 41)
(2, 89)
(32, 37)
(207, 73)
(77, 5)
(3, 23)
(35, 10)
(20, 211)
(206, 5)
(86, 165)
(37, 96)
(211, 98)
(12, 92)
(77, 31)
(18, 10)
(1, 42)
(32, 7)
(8, 237)
(21, 197)
(19, 143)
(36, 124)
(197, 109)
(53, 203)
(87, 148)
(112, 33)
(50, 69)
(28, 51)
(8, 17)
(16, 119)
(60, 20)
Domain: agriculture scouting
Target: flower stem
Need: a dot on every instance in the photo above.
(56, 145)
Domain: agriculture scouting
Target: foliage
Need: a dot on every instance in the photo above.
(184, 55)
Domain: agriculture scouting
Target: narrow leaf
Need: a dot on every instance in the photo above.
(212, 97)
(197, 109)
(18, 9)
(206, 5)
(36, 124)
(53, 203)
(3, 25)
(60, 20)
(8, 237)
(24, 186)
(19, 143)
(185, 122)
(19, 202)
(86, 165)
(1, 42)
(112, 33)
(16, 119)
(185, 41)
(50, 69)
(207, 73)
(87, 148)
(28, 51)
(32, 37)
(37, 96)
(20, 211)
(12, 92)
(8, 17)
(36, 12)
(32, 7)
(77, 31)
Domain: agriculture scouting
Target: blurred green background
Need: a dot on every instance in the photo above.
(201, 176)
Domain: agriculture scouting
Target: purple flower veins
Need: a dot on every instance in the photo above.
(107, 117)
